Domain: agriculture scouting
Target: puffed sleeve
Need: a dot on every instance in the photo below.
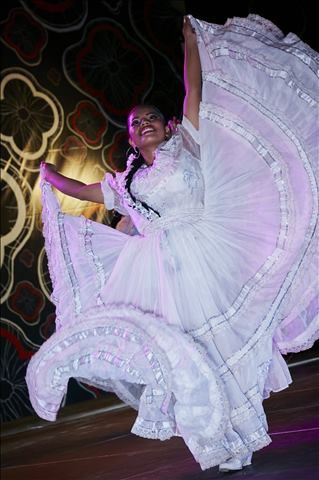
(112, 199)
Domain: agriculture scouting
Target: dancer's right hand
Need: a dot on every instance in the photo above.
(46, 169)
(189, 32)
(172, 125)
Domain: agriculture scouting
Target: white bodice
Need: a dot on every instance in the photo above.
(173, 185)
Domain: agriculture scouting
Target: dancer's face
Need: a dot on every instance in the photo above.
(146, 127)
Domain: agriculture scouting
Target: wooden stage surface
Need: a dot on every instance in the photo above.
(92, 441)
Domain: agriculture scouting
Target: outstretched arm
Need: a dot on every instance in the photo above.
(71, 187)
(192, 74)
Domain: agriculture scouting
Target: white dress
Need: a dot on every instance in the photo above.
(187, 320)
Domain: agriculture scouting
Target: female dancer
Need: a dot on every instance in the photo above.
(187, 320)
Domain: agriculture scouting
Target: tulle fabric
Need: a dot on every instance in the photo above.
(187, 320)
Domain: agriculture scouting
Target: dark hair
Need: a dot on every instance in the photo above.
(135, 165)
(146, 105)
(139, 160)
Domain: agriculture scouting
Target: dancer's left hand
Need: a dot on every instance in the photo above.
(172, 125)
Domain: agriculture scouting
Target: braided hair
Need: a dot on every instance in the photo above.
(135, 166)
(137, 163)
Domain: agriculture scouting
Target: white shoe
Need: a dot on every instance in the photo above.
(235, 463)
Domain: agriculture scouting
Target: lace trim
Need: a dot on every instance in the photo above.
(209, 446)
(303, 342)
(61, 374)
(165, 164)
(167, 160)
(257, 23)
(117, 203)
(154, 430)
(291, 44)
(100, 276)
(305, 288)
(68, 264)
(223, 49)
(278, 170)
(48, 232)
(131, 333)
(118, 183)
(263, 31)
(220, 451)
(269, 320)
(254, 24)
(214, 452)
(120, 388)
(181, 218)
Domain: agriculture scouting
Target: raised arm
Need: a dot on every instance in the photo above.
(192, 74)
(71, 187)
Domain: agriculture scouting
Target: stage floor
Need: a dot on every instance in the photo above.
(92, 442)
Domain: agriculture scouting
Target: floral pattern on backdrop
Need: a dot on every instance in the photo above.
(72, 70)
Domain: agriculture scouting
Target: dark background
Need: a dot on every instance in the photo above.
(295, 16)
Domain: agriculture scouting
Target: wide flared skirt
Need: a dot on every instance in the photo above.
(187, 324)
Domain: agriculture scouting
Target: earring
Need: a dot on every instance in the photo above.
(137, 153)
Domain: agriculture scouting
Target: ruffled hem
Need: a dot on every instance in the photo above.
(304, 342)
(181, 395)
(218, 453)
(113, 346)
(154, 430)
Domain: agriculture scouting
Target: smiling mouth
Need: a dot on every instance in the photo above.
(147, 131)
